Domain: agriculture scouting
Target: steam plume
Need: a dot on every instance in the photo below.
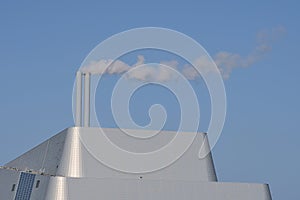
(225, 61)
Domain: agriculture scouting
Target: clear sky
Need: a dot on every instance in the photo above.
(43, 44)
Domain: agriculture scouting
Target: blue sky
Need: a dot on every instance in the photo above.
(43, 44)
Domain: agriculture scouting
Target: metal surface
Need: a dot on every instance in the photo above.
(67, 170)
(128, 189)
(87, 88)
(58, 189)
(11, 179)
(70, 157)
(78, 114)
(70, 164)
(44, 158)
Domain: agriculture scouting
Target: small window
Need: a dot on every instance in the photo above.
(37, 184)
(13, 187)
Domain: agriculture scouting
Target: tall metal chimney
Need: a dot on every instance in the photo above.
(78, 110)
(82, 112)
(87, 88)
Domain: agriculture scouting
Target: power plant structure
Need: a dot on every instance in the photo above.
(63, 168)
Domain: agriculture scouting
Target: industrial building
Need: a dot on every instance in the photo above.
(63, 168)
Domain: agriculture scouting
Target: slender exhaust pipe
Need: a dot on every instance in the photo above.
(82, 112)
(78, 115)
(87, 89)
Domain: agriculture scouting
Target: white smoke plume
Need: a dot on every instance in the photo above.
(99, 67)
(225, 61)
(139, 71)
(204, 63)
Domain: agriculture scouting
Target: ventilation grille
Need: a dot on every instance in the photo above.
(25, 186)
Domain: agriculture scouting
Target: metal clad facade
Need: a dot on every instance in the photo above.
(66, 169)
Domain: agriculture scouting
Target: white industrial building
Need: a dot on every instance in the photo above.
(62, 168)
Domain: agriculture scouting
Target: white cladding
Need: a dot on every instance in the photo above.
(67, 170)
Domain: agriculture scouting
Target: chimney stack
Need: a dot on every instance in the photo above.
(82, 120)
(87, 88)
